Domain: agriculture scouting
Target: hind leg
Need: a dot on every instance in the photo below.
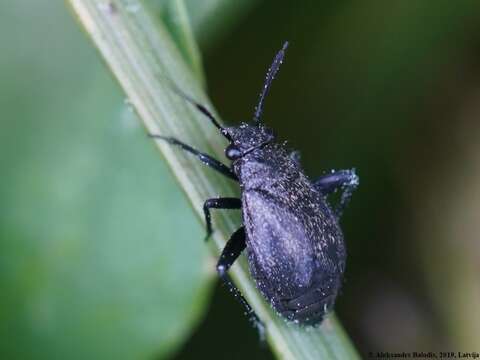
(230, 253)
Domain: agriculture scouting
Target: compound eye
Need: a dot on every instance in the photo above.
(232, 152)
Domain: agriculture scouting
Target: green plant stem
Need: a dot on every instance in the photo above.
(144, 59)
(177, 17)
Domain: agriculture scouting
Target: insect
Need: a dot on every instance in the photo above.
(295, 247)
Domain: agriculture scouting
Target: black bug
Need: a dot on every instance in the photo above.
(294, 243)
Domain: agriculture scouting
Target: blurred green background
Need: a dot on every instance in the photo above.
(100, 254)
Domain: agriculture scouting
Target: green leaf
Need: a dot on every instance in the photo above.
(99, 255)
(177, 20)
(145, 61)
(210, 20)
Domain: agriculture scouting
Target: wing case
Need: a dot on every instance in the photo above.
(295, 246)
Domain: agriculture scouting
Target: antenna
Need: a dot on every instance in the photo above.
(272, 71)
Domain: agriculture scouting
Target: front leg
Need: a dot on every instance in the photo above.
(230, 253)
(218, 203)
(346, 180)
(204, 158)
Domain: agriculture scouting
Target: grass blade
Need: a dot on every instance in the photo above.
(177, 19)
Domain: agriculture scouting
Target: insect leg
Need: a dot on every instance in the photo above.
(230, 253)
(346, 180)
(218, 203)
(206, 159)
